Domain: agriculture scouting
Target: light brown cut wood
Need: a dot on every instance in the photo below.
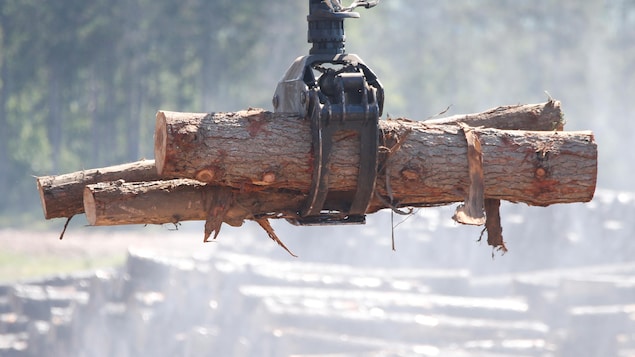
(154, 202)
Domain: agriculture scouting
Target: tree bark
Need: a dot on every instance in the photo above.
(536, 117)
(61, 195)
(173, 201)
(533, 117)
(421, 164)
(154, 202)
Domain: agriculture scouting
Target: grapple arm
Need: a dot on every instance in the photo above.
(335, 91)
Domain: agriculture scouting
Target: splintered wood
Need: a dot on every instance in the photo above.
(471, 212)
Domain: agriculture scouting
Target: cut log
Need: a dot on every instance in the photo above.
(173, 201)
(61, 195)
(422, 164)
(252, 125)
(532, 117)
(154, 202)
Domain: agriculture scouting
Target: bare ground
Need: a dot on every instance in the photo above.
(29, 253)
(91, 243)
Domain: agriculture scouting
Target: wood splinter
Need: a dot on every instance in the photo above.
(264, 223)
(471, 212)
(493, 225)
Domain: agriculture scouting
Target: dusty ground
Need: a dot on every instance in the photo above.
(27, 253)
(93, 242)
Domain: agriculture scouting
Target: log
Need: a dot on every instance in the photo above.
(174, 201)
(61, 195)
(154, 202)
(170, 160)
(533, 117)
(421, 164)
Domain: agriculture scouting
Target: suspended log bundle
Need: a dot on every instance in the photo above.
(254, 165)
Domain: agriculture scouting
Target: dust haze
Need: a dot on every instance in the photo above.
(566, 287)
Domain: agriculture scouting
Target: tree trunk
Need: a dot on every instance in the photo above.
(420, 163)
(534, 117)
(61, 195)
(7, 164)
(173, 201)
(154, 202)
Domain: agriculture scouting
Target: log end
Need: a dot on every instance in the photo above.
(552, 109)
(90, 207)
(594, 176)
(160, 142)
(40, 188)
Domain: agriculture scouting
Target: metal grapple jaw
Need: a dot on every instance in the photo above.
(335, 91)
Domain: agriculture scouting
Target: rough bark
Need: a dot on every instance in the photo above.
(61, 195)
(422, 164)
(173, 201)
(537, 117)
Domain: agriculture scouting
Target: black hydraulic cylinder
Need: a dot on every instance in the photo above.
(326, 28)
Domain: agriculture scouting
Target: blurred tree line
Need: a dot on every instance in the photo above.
(81, 81)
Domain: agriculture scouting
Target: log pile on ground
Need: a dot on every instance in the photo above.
(257, 165)
(561, 297)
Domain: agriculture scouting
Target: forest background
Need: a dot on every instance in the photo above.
(81, 81)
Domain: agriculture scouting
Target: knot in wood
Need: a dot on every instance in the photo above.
(410, 174)
(269, 177)
(540, 173)
(205, 175)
